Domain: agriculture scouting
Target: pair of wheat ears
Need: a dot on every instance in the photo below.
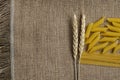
(78, 44)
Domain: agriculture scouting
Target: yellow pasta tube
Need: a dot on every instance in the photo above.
(112, 28)
(88, 30)
(114, 34)
(92, 37)
(98, 54)
(98, 47)
(113, 19)
(103, 63)
(116, 48)
(108, 39)
(100, 58)
(94, 42)
(99, 29)
(116, 24)
(98, 23)
(107, 48)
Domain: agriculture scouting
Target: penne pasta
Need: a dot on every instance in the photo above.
(108, 39)
(87, 34)
(111, 46)
(116, 48)
(99, 22)
(114, 34)
(116, 24)
(113, 19)
(100, 58)
(112, 28)
(100, 62)
(98, 54)
(98, 47)
(92, 37)
(100, 39)
(99, 29)
(94, 42)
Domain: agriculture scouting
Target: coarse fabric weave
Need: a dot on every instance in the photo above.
(43, 38)
(5, 69)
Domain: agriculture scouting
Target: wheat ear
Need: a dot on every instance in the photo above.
(75, 37)
(75, 45)
(82, 36)
(82, 39)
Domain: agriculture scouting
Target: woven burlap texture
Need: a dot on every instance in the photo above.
(5, 40)
(43, 38)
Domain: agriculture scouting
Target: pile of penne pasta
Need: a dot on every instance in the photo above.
(102, 43)
(104, 37)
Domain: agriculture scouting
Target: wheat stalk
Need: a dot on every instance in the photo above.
(75, 37)
(82, 39)
(75, 45)
(82, 36)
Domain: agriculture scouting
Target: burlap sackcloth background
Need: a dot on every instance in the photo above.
(5, 62)
(43, 38)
